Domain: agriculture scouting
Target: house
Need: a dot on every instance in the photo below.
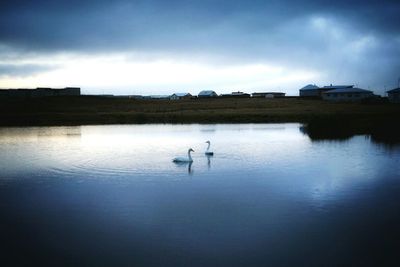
(156, 97)
(310, 90)
(135, 96)
(207, 93)
(350, 94)
(394, 95)
(178, 96)
(268, 95)
(237, 94)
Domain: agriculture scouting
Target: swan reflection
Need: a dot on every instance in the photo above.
(209, 161)
(185, 163)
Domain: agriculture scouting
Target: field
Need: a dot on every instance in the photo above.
(86, 110)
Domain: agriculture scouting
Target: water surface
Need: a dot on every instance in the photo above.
(270, 196)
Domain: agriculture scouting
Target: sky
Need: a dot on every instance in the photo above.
(161, 47)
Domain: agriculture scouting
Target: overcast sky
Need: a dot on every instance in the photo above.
(162, 47)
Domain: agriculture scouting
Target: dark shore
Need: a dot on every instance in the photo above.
(322, 120)
(89, 110)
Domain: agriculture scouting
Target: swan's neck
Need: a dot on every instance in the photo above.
(189, 156)
(208, 147)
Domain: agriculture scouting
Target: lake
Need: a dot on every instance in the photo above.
(270, 196)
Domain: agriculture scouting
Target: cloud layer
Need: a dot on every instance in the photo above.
(355, 42)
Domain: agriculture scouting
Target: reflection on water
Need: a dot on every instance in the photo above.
(209, 161)
(270, 196)
(187, 165)
(384, 132)
(29, 134)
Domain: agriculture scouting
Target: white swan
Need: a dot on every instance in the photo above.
(208, 152)
(184, 159)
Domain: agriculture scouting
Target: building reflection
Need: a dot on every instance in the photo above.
(379, 133)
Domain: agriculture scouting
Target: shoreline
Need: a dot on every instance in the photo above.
(89, 110)
(320, 120)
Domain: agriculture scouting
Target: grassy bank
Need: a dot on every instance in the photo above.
(86, 110)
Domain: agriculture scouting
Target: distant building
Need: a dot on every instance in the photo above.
(40, 92)
(136, 96)
(69, 91)
(334, 87)
(312, 90)
(347, 94)
(268, 94)
(156, 97)
(394, 95)
(107, 95)
(207, 93)
(237, 94)
(178, 96)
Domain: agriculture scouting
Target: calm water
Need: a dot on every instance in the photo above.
(270, 196)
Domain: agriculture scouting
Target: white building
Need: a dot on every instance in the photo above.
(237, 94)
(268, 94)
(156, 97)
(178, 96)
(207, 93)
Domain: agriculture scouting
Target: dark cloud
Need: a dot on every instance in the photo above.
(258, 30)
(158, 24)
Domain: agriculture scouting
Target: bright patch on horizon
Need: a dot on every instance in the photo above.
(128, 76)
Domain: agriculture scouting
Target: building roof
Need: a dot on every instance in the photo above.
(181, 94)
(348, 90)
(238, 93)
(269, 93)
(338, 86)
(207, 92)
(158, 96)
(310, 87)
(395, 90)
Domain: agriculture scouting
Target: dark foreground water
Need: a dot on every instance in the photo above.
(270, 196)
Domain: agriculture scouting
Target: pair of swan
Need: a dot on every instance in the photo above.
(189, 157)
